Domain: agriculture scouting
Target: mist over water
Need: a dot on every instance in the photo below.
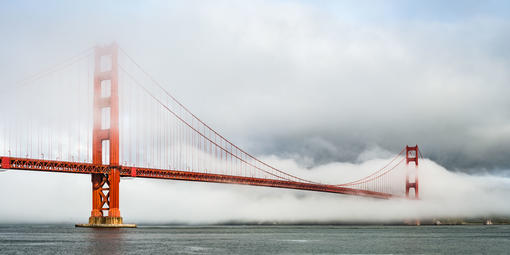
(327, 91)
(444, 194)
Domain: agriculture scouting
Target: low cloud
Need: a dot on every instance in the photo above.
(66, 198)
(324, 88)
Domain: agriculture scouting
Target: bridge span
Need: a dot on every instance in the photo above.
(115, 120)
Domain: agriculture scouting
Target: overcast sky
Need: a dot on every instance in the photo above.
(327, 85)
(316, 81)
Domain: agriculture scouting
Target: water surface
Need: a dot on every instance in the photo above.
(317, 239)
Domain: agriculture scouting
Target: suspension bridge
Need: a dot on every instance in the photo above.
(100, 113)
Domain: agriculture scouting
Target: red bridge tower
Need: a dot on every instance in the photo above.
(105, 137)
(412, 156)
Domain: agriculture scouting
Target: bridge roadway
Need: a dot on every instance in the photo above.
(138, 172)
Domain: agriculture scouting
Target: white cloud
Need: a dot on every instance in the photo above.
(316, 87)
(66, 198)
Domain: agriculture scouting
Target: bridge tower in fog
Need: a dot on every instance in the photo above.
(105, 137)
(412, 157)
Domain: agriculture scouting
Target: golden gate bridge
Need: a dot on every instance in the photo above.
(100, 113)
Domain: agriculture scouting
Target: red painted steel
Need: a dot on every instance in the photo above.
(412, 153)
(87, 168)
(6, 163)
(189, 144)
(109, 182)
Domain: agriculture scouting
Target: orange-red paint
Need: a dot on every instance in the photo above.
(87, 168)
(105, 187)
(412, 156)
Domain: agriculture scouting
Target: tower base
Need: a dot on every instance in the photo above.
(106, 222)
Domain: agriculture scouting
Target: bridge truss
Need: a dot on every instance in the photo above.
(101, 113)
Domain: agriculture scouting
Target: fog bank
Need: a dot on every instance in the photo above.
(52, 197)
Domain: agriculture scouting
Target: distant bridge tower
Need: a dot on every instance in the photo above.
(105, 137)
(412, 156)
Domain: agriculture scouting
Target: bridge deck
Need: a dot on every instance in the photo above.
(136, 172)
